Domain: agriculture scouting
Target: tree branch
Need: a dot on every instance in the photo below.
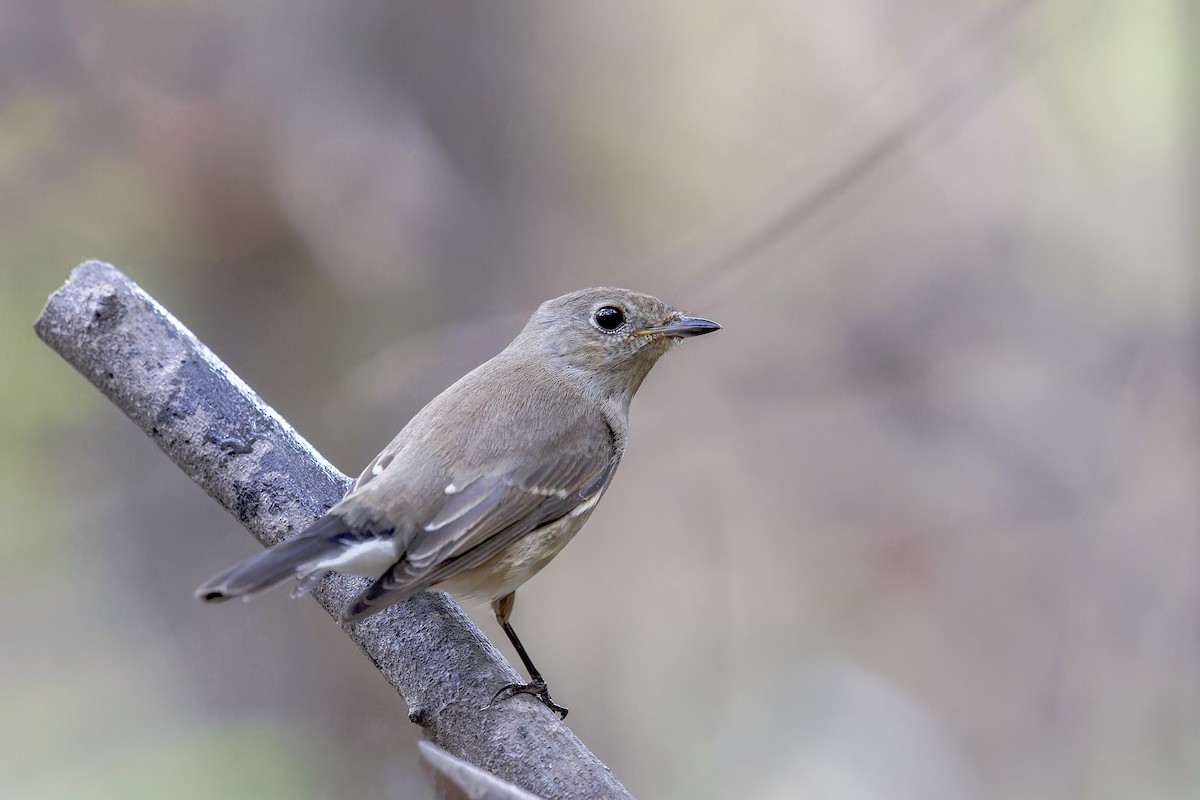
(240, 451)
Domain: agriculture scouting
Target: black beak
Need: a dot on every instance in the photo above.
(682, 328)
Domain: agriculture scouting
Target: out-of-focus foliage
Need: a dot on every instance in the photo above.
(921, 522)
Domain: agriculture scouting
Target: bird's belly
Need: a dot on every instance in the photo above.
(508, 569)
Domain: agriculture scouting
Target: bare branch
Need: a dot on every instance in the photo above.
(218, 431)
(455, 779)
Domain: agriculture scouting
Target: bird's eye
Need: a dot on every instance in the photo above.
(609, 318)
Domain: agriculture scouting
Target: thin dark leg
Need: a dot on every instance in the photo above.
(502, 608)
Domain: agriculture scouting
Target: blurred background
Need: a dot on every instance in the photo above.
(926, 525)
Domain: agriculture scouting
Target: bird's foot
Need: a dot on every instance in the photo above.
(537, 687)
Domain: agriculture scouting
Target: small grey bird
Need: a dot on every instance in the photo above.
(491, 479)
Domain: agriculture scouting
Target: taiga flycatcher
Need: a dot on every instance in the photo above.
(491, 479)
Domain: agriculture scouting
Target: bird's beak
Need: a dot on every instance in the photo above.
(682, 327)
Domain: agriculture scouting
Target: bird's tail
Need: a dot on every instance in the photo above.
(306, 557)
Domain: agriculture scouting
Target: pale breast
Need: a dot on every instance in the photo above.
(510, 568)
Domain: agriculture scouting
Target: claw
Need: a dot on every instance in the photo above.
(537, 688)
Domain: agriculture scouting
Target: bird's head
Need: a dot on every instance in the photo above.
(612, 337)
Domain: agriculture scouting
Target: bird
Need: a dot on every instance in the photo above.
(491, 479)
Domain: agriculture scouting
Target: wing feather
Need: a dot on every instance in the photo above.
(491, 511)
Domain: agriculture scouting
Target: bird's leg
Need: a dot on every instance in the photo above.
(502, 608)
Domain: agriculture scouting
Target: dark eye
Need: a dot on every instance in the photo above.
(609, 318)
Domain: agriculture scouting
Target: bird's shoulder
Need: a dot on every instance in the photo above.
(507, 419)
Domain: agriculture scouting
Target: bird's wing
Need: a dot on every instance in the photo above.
(489, 511)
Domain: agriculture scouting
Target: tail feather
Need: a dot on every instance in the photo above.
(293, 558)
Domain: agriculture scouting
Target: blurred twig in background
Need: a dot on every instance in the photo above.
(956, 89)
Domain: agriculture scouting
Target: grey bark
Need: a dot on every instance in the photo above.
(455, 779)
(240, 451)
